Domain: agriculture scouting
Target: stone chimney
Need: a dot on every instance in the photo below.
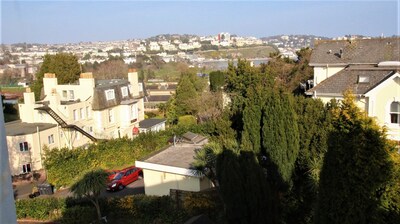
(133, 80)
(86, 79)
(54, 98)
(26, 109)
(49, 83)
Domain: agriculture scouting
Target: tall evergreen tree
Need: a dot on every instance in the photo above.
(64, 65)
(280, 139)
(185, 98)
(244, 189)
(356, 168)
(217, 80)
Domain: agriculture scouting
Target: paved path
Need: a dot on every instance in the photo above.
(23, 189)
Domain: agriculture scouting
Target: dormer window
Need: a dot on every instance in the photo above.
(124, 91)
(110, 94)
(363, 79)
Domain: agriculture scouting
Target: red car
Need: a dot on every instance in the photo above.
(124, 177)
(111, 174)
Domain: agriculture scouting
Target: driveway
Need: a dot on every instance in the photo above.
(22, 190)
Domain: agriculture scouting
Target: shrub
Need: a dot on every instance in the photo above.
(196, 204)
(79, 214)
(40, 208)
(187, 120)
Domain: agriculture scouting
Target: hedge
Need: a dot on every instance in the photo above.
(132, 209)
(64, 166)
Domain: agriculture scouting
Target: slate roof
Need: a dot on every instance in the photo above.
(157, 98)
(148, 123)
(18, 128)
(100, 101)
(371, 51)
(348, 78)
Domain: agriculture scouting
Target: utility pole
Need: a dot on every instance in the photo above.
(7, 203)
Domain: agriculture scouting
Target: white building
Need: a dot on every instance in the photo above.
(71, 116)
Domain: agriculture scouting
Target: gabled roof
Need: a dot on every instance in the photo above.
(371, 51)
(348, 79)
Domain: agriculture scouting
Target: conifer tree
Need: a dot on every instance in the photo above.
(356, 168)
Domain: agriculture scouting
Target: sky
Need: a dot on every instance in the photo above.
(81, 21)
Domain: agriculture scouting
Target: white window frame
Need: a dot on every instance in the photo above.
(87, 112)
(50, 139)
(65, 94)
(111, 118)
(110, 94)
(124, 91)
(75, 114)
(25, 168)
(23, 146)
(71, 95)
(82, 113)
(394, 113)
(134, 112)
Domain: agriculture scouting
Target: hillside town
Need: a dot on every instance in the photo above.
(23, 59)
(199, 112)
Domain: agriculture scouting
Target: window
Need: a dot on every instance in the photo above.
(26, 168)
(64, 94)
(87, 112)
(75, 115)
(50, 139)
(91, 129)
(133, 112)
(23, 146)
(82, 113)
(124, 91)
(395, 113)
(71, 94)
(110, 95)
(110, 116)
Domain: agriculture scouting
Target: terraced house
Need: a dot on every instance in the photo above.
(73, 115)
(370, 68)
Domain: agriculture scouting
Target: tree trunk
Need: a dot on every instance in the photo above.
(96, 204)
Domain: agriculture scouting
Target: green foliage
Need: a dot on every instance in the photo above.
(40, 208)
(187, 120)
(356, 168)
(64, 165)
(91, 184)
(217, 80)
(65, 66)
(78, 214)
(314, 123)
(280, 139)
(186, 95)
(205, 161)
(244, 189)
(195, 204)
(132, 209)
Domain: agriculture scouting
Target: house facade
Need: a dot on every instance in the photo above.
(369, 68)
(73, 115)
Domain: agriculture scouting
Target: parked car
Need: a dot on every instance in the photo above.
(124, 177)
(111, 174)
